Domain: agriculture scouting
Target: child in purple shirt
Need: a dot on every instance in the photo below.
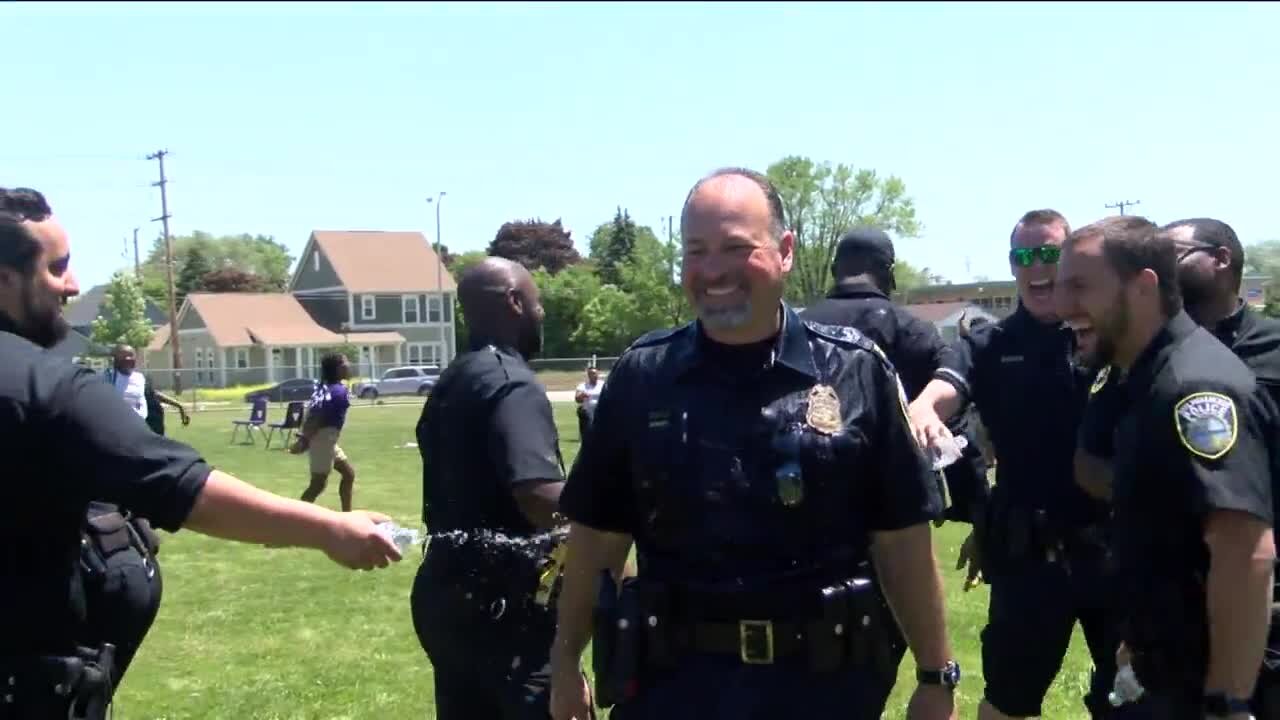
(326, 414)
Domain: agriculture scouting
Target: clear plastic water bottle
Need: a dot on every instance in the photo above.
(1127, 689)
(946, 452)
(402, 537)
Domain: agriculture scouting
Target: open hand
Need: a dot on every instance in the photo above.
(971, 555)
(570, 694)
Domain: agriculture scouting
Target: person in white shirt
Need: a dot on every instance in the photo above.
(586, 395)
(132, 385)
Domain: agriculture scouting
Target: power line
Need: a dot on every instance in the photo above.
(1124, 204)
(168, 252)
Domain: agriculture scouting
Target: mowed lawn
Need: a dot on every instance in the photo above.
(249, 632)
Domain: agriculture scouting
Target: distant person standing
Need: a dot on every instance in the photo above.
(586, 395)
(326, 416)
(137, 390)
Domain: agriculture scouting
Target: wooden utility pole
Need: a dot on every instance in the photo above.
(168, 256)
(1123, 204)
(137, 263)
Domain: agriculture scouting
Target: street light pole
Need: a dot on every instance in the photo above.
(439, 256)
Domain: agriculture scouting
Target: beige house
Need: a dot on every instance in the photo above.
(385, 293)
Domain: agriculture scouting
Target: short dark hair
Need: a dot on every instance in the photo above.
(1218, 234)
(777, 215)
(1131, 244)
(18, 247)
(329, 366)
(1044, 216)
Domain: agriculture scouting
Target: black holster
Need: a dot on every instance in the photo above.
(74, 686)
(109, 533)
(616, 641)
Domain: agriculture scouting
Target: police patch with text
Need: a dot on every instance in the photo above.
(1207, 424)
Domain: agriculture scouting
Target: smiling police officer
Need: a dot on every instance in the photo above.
(863, 274)
(753, 458)
(1045, 549)
(1210, 268)
(67, 440)
(1196, 446)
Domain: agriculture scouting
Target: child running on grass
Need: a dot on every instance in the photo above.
(326, 414)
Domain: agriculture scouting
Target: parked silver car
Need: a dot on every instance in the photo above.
(404, 380)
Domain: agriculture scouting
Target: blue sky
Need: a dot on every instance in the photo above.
(284, 118)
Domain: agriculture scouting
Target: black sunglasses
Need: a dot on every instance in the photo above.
(1026, 257)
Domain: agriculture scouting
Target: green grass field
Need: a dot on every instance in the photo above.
(255, 633)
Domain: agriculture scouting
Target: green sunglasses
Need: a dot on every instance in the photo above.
(1026, 257)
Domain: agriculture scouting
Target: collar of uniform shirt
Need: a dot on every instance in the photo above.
(479, 342)
(790, 349)
(1147, 362)
(1227, 328)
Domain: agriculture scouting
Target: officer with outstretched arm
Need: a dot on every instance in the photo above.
(69, 440)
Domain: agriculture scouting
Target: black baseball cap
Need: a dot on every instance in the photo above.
(870, 242)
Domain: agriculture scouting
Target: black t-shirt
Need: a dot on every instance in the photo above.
(67, 440)
(1197, 433)
(486, 429)
(1030, 393)
(690, 457)
(917, 351)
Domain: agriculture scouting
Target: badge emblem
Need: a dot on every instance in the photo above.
(1207, 424)
(823, 414)
(1100, 380)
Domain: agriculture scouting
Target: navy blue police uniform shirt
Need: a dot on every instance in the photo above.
(1254, 338)
(67, 439)
(916, 350)
(741, 466)
(486, 429)
(1197, 433)
(1030, 393)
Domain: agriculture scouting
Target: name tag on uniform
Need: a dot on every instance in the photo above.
(1010, 358)
(659, 419)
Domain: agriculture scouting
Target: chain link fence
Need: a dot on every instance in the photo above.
(233, 389)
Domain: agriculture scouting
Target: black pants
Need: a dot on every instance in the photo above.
(1035, 604)
(585, 417)
(490, 652)
(121, 604)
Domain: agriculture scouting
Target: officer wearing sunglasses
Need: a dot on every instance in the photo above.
(1043, 548)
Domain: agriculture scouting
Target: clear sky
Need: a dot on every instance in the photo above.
(284, 118)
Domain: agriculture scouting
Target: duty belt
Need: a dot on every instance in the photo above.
(77, 686)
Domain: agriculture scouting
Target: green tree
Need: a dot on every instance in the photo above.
(648, 297)
(822, 202)
(123, 318)
(535, 244)
(259, 255)
(564, 296)
(612, 244)
(190, 275)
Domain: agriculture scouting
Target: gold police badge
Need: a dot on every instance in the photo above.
(1207, 424)
(823, 414)
(1101, 380)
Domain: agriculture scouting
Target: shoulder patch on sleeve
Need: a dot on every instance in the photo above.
(843, 335)
(1100, 380)
(1207, 423)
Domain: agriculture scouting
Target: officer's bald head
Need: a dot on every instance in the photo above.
(501, 304)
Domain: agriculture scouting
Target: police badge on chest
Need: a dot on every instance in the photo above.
(810, 439)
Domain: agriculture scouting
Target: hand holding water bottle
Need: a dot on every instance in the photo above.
(402, 537)
(945, 451)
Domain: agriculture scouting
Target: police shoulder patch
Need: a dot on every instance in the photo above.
(1207, 424)
(1100, 380)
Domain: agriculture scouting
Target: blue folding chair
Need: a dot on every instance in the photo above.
(292, 423)
(257, 418)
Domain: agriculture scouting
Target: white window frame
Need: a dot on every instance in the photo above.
(368, 307)
(434, 308)
(315, 260)
(242, 358)
(424, 353)
(407, 303)
(199, 355)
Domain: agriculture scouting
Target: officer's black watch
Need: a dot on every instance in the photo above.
(948, 676)
(1219, 704)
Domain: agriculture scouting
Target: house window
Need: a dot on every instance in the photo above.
(448, 308)
(315, 260)
(368, 310)
(199, 365)
(409, 310)
(424, 353)
(433, 309)
(242, 358)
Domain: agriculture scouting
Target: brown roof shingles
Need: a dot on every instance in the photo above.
(242, 319)
(369, 261)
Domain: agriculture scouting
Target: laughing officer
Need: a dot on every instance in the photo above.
(1196, 445)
